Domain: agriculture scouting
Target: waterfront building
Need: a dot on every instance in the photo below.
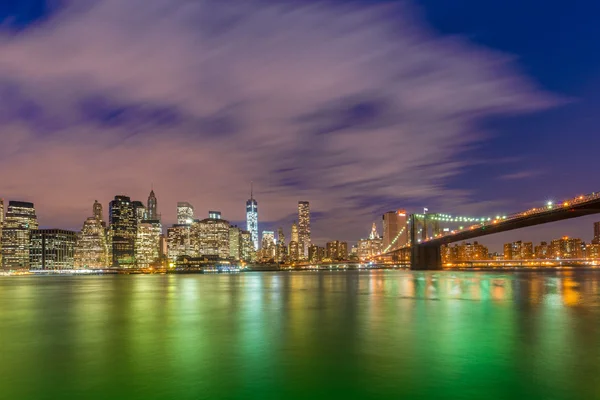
(214, 214)
(268, 246)
(185, 213)
(293, 251)
(91, 247)
(281, 248)
(316, 253)
(566, 248)
(15, 241)
(247, 250)
(178, 241)
(596, 239)
(52, 249)
(395, 230)
(123, 231)
(371, 247)
(592, 251)
(336, 250)
(235, 243)
(147, 246)
(210, 237)
(252, 218)
(518, 250)
(542, 251)
(303, 228)
(152, 209)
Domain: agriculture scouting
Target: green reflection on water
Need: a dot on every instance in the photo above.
(360, 335)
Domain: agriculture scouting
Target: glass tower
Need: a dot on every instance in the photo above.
(252, 218)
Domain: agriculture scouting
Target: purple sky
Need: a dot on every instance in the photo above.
(345, 106)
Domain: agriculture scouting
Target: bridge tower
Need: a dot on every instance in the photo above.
(423, 256)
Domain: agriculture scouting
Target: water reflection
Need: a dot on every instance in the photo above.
(376, 334)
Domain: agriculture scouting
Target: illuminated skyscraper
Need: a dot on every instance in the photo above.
(91, 249)
(210, 237)
(280, 247)
(52, 249)
(139, 209)
(152, 210)
(97, 212)
(123, 231)
(20, 220)
(368, 248)
(147, 245)
(252, 218)
(395, 230)
(178, 241)
(293, 248)
(294, 236)
(268, 245)
(185, 213)
(247, 251)
(303, 228)
(235, 243)
(596, 239)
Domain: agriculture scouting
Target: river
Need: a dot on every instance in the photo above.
(302, 335)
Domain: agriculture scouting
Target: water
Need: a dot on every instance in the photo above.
(352, 335)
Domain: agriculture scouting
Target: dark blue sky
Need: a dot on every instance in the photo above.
(510, 160)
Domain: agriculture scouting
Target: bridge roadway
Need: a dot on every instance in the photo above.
(427, 254)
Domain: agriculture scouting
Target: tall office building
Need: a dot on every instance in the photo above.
(185, 213)
(252, 218)
(247, 251)
(97, 212)
(596, 239)
(91, 248)
(52, 249)
(123, 231)
(293, 247)
(152, 209)
(1, 225)
(280, 247)
(139, 209)
(371, 247)
(294, 236)
(235, 243)
(178, 241)
(20, 220)
(395, 230)
(268, 245)
(303, 228)
(210, 237)
(147, 245)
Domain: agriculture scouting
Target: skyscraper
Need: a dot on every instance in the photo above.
(294, 236)
(123, 229)
(303, 228)
(395, 230)
(152, 210)
(52, 249)
(97, 209)
(147, 245)
(235, 243)
(252, 218)
(91, 249)
(20, 220)
(139, 209)
(596, 239)
(210, 237)
(185, 213)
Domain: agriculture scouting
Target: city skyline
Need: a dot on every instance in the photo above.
(356, 148)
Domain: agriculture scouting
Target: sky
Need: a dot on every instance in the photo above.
(360, 107)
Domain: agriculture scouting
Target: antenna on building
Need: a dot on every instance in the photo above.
(251, 189)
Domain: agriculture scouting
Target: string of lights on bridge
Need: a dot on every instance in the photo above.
(451, 218)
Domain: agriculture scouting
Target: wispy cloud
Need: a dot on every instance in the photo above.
(318, 102)
(520, 175)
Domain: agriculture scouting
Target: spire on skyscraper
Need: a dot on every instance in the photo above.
(374, 234)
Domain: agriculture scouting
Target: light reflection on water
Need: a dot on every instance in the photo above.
(372, 334)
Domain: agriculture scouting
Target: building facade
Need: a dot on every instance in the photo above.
(178, 241)
(371, 247)
(252, 219)
(210, 237)
(19, 222)
(91, 248)
(147, 245)
(152, 208)
(395, 230)
(52, 249)
(123, 231)
(303, 228)
(185, 213)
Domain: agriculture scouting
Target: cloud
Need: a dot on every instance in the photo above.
(520, 175)
(336, 104)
